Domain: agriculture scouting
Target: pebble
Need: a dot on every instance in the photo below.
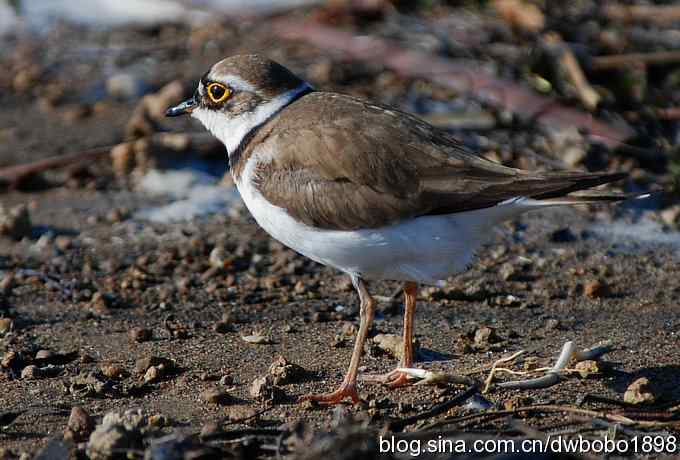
(31, 372)
(390, 343)
(215, 396)
(159, 421)
(140, 334)
(45, 355)
(552, 324)
(122, 159)
(283, 371)
(109, 440)
(263, 389)
(218, 257)
(80, 425)
(210, 429)
(640, 392)
(671, 216)
(596, 289)
(153, 374)
(256, 338)
(75, 112)
(587, 368)
(485, 335)
(112, 371)
(6, 325)
(11, 359)
(15, 222)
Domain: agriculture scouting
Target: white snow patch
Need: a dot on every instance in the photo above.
(39, 14)
(195, 193)
(645, 231)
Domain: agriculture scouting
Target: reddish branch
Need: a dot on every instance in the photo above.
(11, 176)
(625, 60)
(457, 75)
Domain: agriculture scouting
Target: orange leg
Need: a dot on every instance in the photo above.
(348, 388)
(397, 378)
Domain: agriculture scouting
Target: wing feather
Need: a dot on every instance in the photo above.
(358, 165)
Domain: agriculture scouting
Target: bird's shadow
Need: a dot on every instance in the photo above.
(425, 355)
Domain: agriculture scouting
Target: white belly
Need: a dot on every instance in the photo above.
(426, 249)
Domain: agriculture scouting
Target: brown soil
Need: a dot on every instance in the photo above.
(80, 292)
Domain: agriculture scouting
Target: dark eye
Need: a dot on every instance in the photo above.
(217, 92)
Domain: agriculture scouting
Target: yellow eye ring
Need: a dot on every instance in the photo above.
(217, 92)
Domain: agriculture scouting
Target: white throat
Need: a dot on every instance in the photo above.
(232, 131)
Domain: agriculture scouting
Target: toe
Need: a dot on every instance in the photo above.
(336, 397)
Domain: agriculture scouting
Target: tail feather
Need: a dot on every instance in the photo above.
(575, 181)
(593, 197)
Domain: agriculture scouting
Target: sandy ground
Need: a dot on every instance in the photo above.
(99, 291)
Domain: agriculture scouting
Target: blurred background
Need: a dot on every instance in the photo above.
(124, 246)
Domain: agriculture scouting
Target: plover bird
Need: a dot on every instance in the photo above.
(368, 189)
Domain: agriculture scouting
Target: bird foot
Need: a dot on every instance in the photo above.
(336, 397)
(393, 379)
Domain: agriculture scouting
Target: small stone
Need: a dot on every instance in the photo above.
(596, 289)
(6, 325)
(79, 425)
(552, 324)
(109, 440)
(152, 374)
(218, 257)
(7, 284)
(112, 371)
(640, 392)
(45, 355)
(116, 215)
(256, 338)
(348, 329)
(299, 287)
(215, 396)
(390, 343)
(671, 216)
(140, 334)
(507, 272)
(15, 222)
(11, 360)
(263, 389)
(144, 364)
(485, 335)
(573, 155)
(319, 317)
(587, 368)
(123, 159)
(159, 421)
(75, 112)
(31, 373)
(63, 243)
(210, 429)
(283, 371)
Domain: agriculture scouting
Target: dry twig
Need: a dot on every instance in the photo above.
(659, 14)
